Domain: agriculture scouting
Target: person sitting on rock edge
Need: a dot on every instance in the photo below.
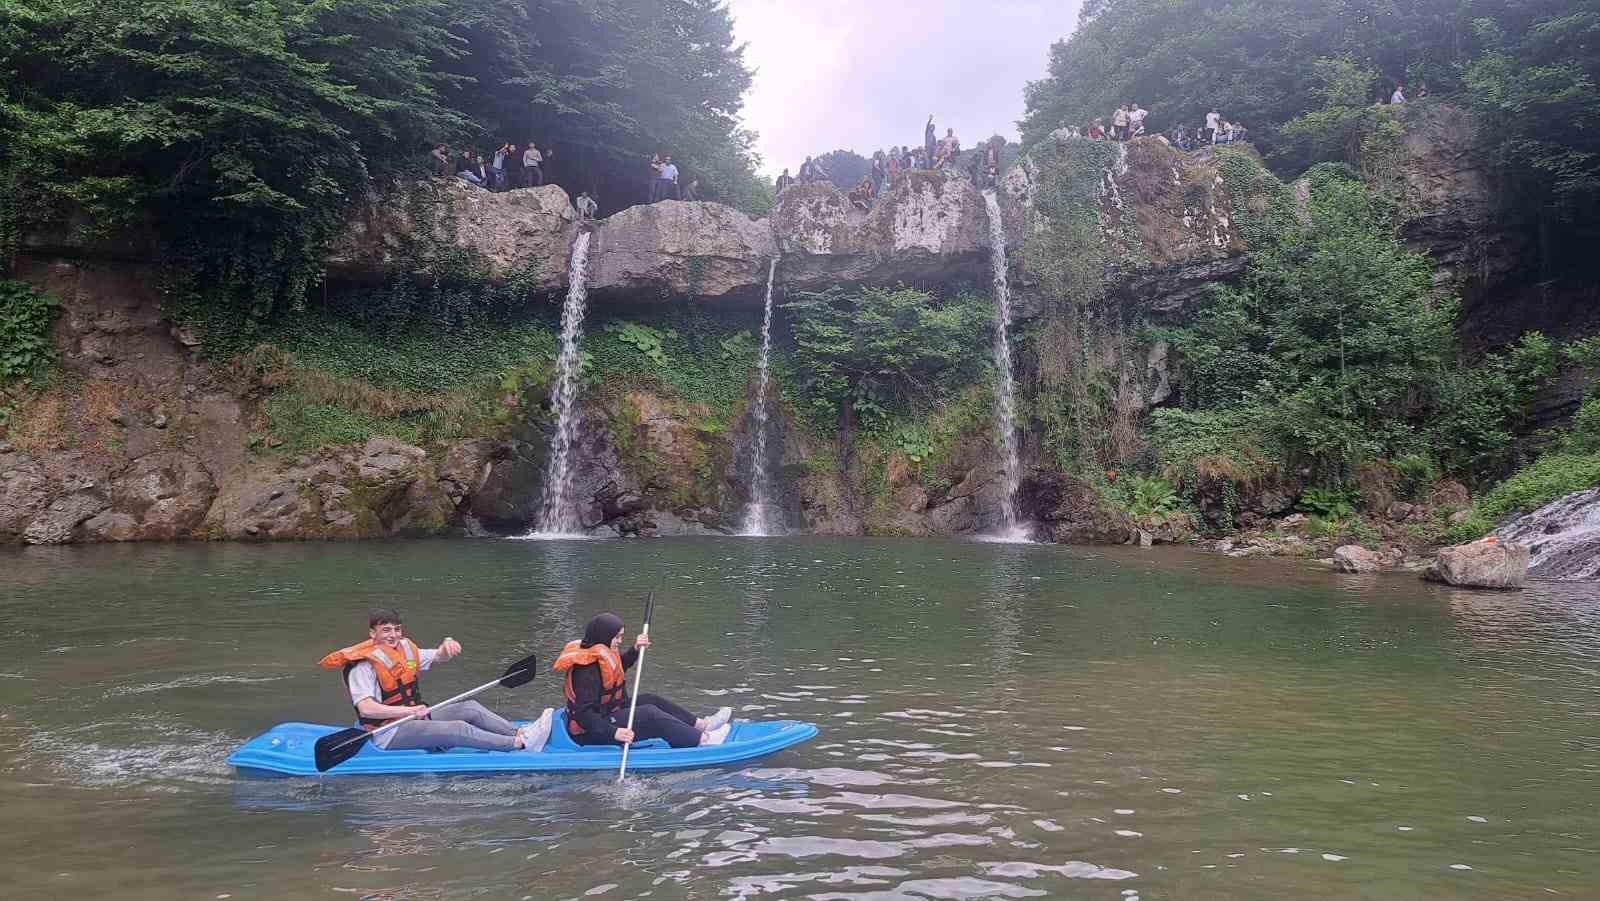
(597, 696)
(382, 675)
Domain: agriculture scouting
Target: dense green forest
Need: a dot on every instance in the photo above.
(1336, 357)
(1528, 67)
(244, 131)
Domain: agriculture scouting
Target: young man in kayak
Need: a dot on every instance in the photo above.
(597, 697)
(382, 676)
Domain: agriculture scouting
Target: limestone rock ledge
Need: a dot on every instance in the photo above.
(514, 231)
(1165, 217)
(930, 227)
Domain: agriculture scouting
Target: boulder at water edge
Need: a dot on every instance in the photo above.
(1353, 558)
(1482, 564)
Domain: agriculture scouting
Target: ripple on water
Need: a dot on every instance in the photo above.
(199, 680)
(140, 751)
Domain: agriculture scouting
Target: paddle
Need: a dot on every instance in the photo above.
(638, 679)
(334, 749)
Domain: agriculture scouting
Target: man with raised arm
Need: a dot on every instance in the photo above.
(383, 674)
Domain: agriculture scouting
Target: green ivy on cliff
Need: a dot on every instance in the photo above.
(26, 315)
(1087, 424)
(878, 354)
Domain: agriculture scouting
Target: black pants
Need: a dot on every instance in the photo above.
(655, 717)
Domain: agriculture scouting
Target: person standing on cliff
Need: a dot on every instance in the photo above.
(513, 167)
(1208, 135)
(691, 191)
(668, 179)
(497, 169)
(655, 177)
(1136, 115)
(929, 140)
(533, 165)
(784, 181)
(441, 160)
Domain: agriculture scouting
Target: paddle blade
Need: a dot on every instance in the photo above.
(332, 750)
(520, 673)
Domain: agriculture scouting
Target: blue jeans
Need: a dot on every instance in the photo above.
(471, 177)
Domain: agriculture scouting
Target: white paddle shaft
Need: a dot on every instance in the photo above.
(638, 679)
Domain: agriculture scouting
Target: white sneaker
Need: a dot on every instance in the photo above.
(535, 734)
(720, 718)
(716, 736)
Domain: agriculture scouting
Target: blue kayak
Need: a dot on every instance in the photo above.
(286, 750)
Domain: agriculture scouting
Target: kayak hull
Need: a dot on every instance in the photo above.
(286, 750)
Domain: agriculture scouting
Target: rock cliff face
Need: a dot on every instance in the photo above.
(1450, 204)
(530, 229)
(154, 443)
(677, 249)
(931, 228)
(1165, 222)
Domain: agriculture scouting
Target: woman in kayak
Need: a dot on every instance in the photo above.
(597, 697)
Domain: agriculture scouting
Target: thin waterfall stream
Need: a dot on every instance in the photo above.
(559, 516)
(755, 519)
(1005, 400)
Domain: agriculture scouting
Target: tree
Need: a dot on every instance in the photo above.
(243, 132)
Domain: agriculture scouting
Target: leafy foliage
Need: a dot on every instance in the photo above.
(26, 315)
(243, 132)
(1328, 503)
(1338, 341)
(1533, 486)
(877, 353)
(1149, 497)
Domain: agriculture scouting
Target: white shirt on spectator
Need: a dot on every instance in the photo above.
(1399, 96)
(1213, 120)
(669, 172)
(363, 683)
(532, 157)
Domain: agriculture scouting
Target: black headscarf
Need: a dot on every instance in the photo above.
(601, 629)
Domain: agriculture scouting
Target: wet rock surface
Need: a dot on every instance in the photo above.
(1482, 564)
(1562, 538)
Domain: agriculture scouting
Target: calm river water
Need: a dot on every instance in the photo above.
(997, 721)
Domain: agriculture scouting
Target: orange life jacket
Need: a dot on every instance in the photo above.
(396, 669)
(613, 681)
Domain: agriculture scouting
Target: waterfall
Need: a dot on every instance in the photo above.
(755, 518)
(1562, 537)
(1005, 401)
(559, 517)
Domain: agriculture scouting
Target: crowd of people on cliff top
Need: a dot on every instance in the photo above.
(983, 168)
(510, 167)
(1128, 122)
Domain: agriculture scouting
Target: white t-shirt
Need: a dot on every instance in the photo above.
(1213, 120)
(532, 157)
(1120, 117)
(1398, 97)
(363, 683)
(669, 172)
(1137, 116)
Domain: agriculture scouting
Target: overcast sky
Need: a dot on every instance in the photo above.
(863, 75)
